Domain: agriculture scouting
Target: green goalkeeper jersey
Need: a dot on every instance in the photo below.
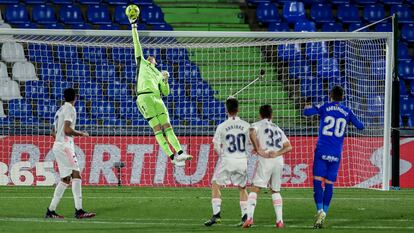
(150, 79)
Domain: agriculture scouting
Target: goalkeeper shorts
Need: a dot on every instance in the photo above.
(151, 106)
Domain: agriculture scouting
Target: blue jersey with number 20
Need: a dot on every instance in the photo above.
(334, 119)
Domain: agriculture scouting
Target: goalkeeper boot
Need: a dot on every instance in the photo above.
(319, 219)
(248, 223)
(52, 214)
(213, 220)
(180, 159)
(243, 219)
(83, 214)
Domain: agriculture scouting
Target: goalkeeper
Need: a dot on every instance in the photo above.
(150, 84)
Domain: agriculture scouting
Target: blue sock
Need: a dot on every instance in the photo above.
(318, 194)
(327, 196)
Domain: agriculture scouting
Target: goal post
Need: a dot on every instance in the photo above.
(205, 68)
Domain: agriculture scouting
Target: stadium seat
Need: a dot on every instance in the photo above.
(403, 53)
(199, 122)
(40, 53)
(348, 13)
(374, 13)
(115, 122)
(106, 73)
(46, 109)
(115, 2)
(294, 12)
(81, 26)
(51, 72)
(16, 14)
(94, 54)
(392, 2)
(332, 27)
(78, 72)
(141, 26)
(364, 2)
(257, 2)
(175, 55)
(122, 54)
(24, 71)
(305, 26)
(152, 15)
(321, 13)
(36, 90)
(130, 72)
(28, 25)
(177, 92)
(278, 27)
(63, 2)
(43, 14)
(12, 52)
(167, 67)
(201, 92)
(9, 90)
(299, 68)
(119, 15)
(189, 73)
(378, 69)
(328, 68)
(19, 108)
(214, 110)
(154, 52)
(356, 26)
(142, 2)
(129, 110)
(267, 13)
(119, 92)
(407, 106)
(4, 76)
(2, 115)
(9, 1)
(336, 2)
(404, 13)
(90, 2)
(54, 26)
(411, 87)
(90, 91)
(407, 32)
(103, 110)
(403, 88)
(97, 14)
(316, 50)
(58, 88)
(67, 53)
(406, 69)
(287, 52)
(70, 14)
(383, 27)
(311, 87)
(81, 109)
(162, 27)
(108, 27)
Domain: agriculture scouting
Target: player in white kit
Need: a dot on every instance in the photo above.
(230, 141)
(270, 143)
(64, 150)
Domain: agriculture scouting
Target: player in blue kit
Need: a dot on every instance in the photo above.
(334, 119)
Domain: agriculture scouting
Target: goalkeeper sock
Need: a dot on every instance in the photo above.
(251, 204)
(172, 138)
(164, 144)
(327, 196)
(278, 205)
(216, 205)
(318, 194)
(57, 195)
(77, 193)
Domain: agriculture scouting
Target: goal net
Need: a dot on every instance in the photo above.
(205, 69)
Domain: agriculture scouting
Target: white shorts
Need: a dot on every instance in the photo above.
(66, 159)
(268, 173)
(231, 171)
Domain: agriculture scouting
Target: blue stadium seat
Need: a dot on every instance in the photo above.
(339, 49)
(70, 14)
(115, 122)
(154, 52)
(16, 14)
(403, 88)
(152, 15)
(214, 110)
(167, 67)
(139, 122)
(411, 87)
(116, 2)
(332, 27)
(141, 26)
(378, 69)
(201, 92)
(305, 26)
(46, 109)
(383, 27)
(288, 52)
(119, 15)
(35, 1)
(81, 110)
(336, 2)
(403, 53)
(328, 68)
(374, 13)
(28, 25)
(257, 2)
(130, 72)
(267, 13)
(43, 14)
(316, 50)
(392, 2)
(30, 120)
(36, 90)
(321, 13)
(67, 53)
(311, 87)
(375, 107)
(90, 2)
(348, 13)
(404, 13)
(106, 73)
(9, 1)
(122, 54)
(355, 26)
(6, 121)
(406, 69)
(54, 26)
(300, 68)
(40, 53)
(407, 32)
(142, 2)
(20, 108)
(278, 27)
(119, 91)
(58, 88)
(97, 14)
(294, 12)
(407, 106)
(103, 110)
(162, 27)
(90, 91)
(62, 2)
(365, 2)
(94, 54)
(51, 72)
(86, 121)
(175, 55)
(108, 27)
(189, 73)
(81, 26)
(129, 110)
(177, 92)
(199, 122)
(78, 72)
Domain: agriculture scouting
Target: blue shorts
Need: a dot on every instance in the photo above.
(326, 166)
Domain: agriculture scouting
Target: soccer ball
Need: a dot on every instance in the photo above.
(132, 12)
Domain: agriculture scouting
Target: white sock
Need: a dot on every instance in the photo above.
(216, 204)
(57, 195)
(251, 204)
(278, 204)
(77, 193)
(243, 207)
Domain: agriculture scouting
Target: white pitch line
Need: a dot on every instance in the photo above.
(158, 223)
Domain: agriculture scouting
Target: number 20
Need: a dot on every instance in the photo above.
(339, 125)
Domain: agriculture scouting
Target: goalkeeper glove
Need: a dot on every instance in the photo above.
(165, 75)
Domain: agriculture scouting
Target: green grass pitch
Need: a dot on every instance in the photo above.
(138, 209)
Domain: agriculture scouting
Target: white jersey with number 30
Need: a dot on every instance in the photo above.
(269, 135)
(65, 113)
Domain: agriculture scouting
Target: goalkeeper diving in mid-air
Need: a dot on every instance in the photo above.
(151, 83)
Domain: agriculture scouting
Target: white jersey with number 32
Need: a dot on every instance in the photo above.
(269, 135)
(65, 113)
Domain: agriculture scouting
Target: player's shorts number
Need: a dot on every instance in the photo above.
(274, 138)
(338, 124)
(236, 142)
